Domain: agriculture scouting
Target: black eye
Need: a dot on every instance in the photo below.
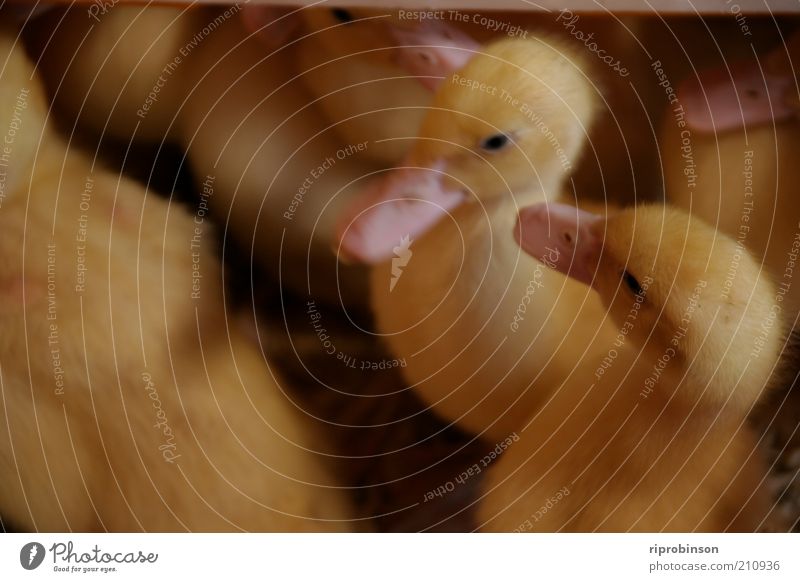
(632, 283)
(495, 143)
(342, 15)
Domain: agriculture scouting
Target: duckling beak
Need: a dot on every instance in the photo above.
(432, 50)
(731, 97)
(272, 25)
(402, 205)
(561, 237)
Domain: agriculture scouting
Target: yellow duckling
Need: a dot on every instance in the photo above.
(654, 437)
(730, 159)
(130, 402)
(475, 319)
(370, 71)
(110, 72)
(284, 131)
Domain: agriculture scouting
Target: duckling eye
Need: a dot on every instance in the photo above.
(632, 283)
(495, 143)
(342, 15)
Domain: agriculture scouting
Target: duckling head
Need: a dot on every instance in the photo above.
(675, 285)
(510, 123)
(514, 119)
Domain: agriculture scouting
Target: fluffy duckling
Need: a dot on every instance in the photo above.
(657, 439)
(255, 120)
(285, 172)
(108, 71)
(475, 319)
(130, 402)
(733, 164)
(362, 67)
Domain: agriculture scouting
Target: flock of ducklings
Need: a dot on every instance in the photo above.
(609, 352)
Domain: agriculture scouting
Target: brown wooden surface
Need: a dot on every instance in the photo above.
(618, 6)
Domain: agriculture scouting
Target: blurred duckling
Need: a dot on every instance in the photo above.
(283, 133)
(130, 401)
(733, 163)
(118, 73)
(659, 441)
(370, 71)
(474, 318)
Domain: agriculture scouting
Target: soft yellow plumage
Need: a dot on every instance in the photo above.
(132, 399)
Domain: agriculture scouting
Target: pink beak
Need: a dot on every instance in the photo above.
(432, 51)
(272, 25)
(562, 237)
(719, 100)
(405, 202)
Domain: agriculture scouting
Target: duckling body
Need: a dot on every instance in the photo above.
(281, 173)
(476, 327)
(745, 183)
(600, 457)
(729, 139)
(255, 118)
(473, 317)
(121, 75)
(659, 441)
(127, 407)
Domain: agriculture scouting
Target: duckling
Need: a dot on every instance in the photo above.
(302, 167)
(117, 73)
(659, 441)
(257, 121)
(130, 403)
(733, 163)
(437, 48)
(473, 318)
(371, 72)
